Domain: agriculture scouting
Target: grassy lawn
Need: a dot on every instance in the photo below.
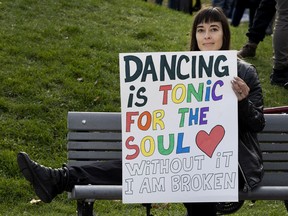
(60, 56)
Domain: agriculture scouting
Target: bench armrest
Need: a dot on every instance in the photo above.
(97, 192)
(266, 193)
(114, 192)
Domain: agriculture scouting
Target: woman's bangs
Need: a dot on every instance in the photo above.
(209, 16)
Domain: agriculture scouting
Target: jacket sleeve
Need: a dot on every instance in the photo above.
(250, 110)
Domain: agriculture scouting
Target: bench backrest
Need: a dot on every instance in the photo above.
(96, 136)
(93, 136)
(274, 145)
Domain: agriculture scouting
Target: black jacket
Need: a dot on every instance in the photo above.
(251, 121)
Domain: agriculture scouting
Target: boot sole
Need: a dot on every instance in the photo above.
(27, 171)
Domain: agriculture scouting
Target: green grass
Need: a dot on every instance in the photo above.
(60, 56)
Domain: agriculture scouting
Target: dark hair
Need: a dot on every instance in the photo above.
(207, 15)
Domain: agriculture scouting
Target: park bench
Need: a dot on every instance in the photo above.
(96, 136)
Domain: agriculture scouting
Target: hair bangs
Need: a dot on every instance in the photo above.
(208, 16)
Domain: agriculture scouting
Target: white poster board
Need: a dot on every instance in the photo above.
(179, 127)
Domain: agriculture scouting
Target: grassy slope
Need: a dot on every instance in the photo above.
(58, 56)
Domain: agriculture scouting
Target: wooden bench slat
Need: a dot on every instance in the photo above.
(276, 122)
(276, 166)
(275, 147)
(85, 162)
(275, 179)
(275, 157)
(94, 146)
(94, 136)
(272, 138)
(83, 121)
(94, 155)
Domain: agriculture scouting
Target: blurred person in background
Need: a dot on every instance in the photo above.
(226, 5)
(263, 18)
(239, 9)
(279, 75)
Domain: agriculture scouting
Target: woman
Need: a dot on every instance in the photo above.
(210, 31)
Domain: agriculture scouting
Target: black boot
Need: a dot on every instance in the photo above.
(279, 77)
(47, 182)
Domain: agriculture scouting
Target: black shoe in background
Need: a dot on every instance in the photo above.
(248, 50)
(279, 77)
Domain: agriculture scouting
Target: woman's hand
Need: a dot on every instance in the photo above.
(240, 88)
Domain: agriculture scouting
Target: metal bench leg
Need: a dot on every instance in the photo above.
(286, 204)
(148, 208)
(85, 208)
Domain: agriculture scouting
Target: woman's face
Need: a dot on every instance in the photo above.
(209, 36)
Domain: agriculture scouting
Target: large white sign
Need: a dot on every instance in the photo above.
(179, 127)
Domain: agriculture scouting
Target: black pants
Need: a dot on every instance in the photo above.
(199, 209)
(159, 2)
(239, 10)
(100, 173)
(110, 173)
(263, 17)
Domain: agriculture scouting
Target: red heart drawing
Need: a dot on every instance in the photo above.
(207, 143)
